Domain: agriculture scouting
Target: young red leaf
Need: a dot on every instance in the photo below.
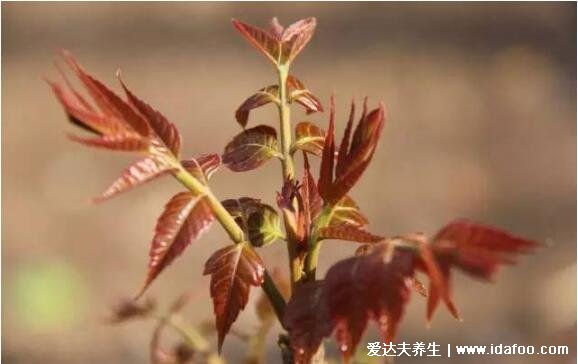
(295, 38)
(366, 287)
(260, 98)
(307, 320)
(476, 249)
(349, 233)
(312, 203)
(279, 45)
(299, 93)
(185, 218)
(346, 212)
(126, 141)
(309, 137)
(328, 157)
(251, 149)
(110, 104)
(203, 166)
(164, 129)
(262, 40)
(136, 174)
(353, 159)
(233, 269)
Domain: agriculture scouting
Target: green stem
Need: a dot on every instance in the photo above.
(235, 232)
(295, 264)
(314, 243)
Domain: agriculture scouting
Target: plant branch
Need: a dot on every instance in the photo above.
(233, 230)
(295, 264)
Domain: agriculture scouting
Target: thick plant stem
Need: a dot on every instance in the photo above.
(235, 232)
(295, 264)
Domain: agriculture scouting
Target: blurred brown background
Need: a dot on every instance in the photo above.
(481, 124)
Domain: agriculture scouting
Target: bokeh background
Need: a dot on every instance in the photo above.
(481, 124)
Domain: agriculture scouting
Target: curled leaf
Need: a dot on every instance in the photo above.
(346, 212)
(309, 137)
(233, 269)
(139, 172)
(260, 98)
(259, 221)
(299, 93)
(185, 218)
(251, 149)
(203, 166)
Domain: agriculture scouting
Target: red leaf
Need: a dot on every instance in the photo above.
(349, 233)
(164, 129)
(279, 45)
(309, 137)
(476, 249)
(107, 101)
(128, 142)
(295, 38)
(260, 39)
(328, 156)
(136, 174)
(233, 269)
(299, 93)
(312, 203)
(185, 218)
(367, 287)
(260, 98)
(203, 167)
(251, 149)
(346, 212)
(360, 153)
(307, 320)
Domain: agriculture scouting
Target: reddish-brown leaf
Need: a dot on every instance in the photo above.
(299, 93)
(203, 166)
(312, 202)
(129, 309)
(366, 287)
(262, 40)
(476, 249)
(325, 183)
(309, 137)
(346, 212)
(260, 98)
(164, 129)
(139, 172)
(251, 149)
(295, 38)
(349, 233)
(110, 104)
(307, 320)
(279, 45)
(233, 269)
(360, 153)
(185, 218)
(128, 142)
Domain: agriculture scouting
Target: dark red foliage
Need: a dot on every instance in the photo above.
(233, 269)
(185, 218)
(353, 159)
